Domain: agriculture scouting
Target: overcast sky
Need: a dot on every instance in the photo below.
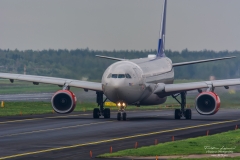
(119, 24)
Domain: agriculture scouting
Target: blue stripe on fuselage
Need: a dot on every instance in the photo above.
(159, 46)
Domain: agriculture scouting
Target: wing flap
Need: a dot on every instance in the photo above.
(52, 80)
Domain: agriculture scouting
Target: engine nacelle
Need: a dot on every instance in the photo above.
(207, 103)
(64, 101)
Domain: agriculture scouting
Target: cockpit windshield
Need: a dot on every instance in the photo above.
(119, 76)
(114, 75)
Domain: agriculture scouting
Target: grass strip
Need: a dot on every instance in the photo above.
(225, 158)
(214, 144)
(29, 108)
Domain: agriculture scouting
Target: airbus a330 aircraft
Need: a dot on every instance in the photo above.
(143, 81)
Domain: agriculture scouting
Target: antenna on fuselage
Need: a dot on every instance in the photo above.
(161, 42)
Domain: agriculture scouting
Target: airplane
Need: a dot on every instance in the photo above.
(143, 81)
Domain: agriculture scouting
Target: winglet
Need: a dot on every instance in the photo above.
(161, 42)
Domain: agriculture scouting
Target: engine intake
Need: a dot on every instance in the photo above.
(64, 101)
(207, 103)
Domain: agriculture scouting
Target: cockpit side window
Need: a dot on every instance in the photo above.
(110, 75)
(114, 75)
(128, 76)
(121, 76)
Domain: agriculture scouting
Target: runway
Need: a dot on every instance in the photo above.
(73, 136)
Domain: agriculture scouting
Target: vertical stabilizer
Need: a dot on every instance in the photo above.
(161, 42)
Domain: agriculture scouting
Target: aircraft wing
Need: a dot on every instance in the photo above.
(112, 58)
(52, 80)
(168, 89)
(200, 61)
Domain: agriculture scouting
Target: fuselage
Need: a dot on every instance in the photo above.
(128, 81)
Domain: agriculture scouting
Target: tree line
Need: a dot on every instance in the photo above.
(82, 63)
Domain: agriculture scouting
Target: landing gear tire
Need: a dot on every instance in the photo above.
(188, 114)
(124, 116)
(177, 114)
(106, 113)
(96, 113)
(119, 116)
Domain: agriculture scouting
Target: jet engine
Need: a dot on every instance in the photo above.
(64, 101)
(207, 103)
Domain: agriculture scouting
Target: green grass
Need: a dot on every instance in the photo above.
(17, 108)
(29, 108)
(186, 147)
(225, 158)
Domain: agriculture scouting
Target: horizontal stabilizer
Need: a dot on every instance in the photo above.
(200, 61)
(113, 58)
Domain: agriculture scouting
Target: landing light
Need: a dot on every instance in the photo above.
(121, 106)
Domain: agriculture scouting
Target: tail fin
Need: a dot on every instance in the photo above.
(161, 42)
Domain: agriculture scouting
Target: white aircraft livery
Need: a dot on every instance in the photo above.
(143, 81)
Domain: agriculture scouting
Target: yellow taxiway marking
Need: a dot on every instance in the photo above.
(32, 119)
(54, 129)
(115, 139)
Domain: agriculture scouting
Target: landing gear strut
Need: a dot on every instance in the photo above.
(101, 111)
(187, 113)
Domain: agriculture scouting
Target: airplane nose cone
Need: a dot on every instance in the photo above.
(119, 90)
(116, 85)
(115, 89)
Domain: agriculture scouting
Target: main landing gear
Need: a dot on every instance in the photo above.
(121, 115)
(101, 111)
(187, 113)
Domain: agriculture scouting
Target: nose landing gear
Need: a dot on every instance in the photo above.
(121, 115)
